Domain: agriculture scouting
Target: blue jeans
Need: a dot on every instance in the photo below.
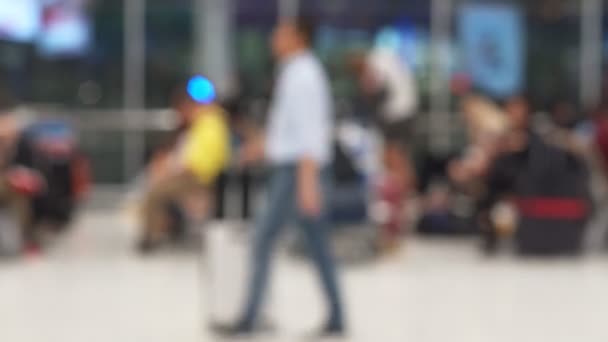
(282, 207)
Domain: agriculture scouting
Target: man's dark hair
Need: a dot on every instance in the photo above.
(306, 27)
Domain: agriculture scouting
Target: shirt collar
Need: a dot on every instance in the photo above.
(295, 57)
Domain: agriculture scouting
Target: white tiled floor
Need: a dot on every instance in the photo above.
(92, 288)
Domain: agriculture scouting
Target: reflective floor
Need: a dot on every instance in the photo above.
(93, 288)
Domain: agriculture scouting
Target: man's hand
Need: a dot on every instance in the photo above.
(253, 150)
(309, 190)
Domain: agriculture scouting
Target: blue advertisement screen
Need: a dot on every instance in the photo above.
(493, 45)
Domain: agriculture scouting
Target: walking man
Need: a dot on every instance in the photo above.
(297, 145)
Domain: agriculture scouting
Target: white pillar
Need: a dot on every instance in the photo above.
(591, 53)
(134, 85)
(213, 41)
(440, 116)
(288, 8)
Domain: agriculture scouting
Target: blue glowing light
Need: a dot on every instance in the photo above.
(201, 89)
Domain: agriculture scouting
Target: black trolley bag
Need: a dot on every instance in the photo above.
(554, 202)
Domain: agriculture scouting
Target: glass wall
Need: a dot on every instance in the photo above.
(73, 58)
(553, 70)
(87, 54)
(86, 72)
(253, 59)
(92, 75)
(344, 28)
(169, 48)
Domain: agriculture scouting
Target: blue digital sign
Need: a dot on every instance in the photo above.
(493, 45)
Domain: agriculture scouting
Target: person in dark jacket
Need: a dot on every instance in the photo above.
(16, 181)
(505, 169)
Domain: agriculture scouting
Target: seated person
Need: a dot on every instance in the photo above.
(486, 125)
(16, 182)
(510, 160)
(184, 173)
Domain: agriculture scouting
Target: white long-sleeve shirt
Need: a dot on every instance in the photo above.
(301, 113)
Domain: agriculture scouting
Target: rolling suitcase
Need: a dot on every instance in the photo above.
(227, 268)
(226, 258)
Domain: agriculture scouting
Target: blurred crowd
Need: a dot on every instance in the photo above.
(523, 165)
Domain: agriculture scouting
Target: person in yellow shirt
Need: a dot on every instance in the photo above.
(185, 173)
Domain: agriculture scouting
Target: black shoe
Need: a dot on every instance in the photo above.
(489, 247)
(147, 246)
(329, 332)
(240, 330)
(232, 331)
